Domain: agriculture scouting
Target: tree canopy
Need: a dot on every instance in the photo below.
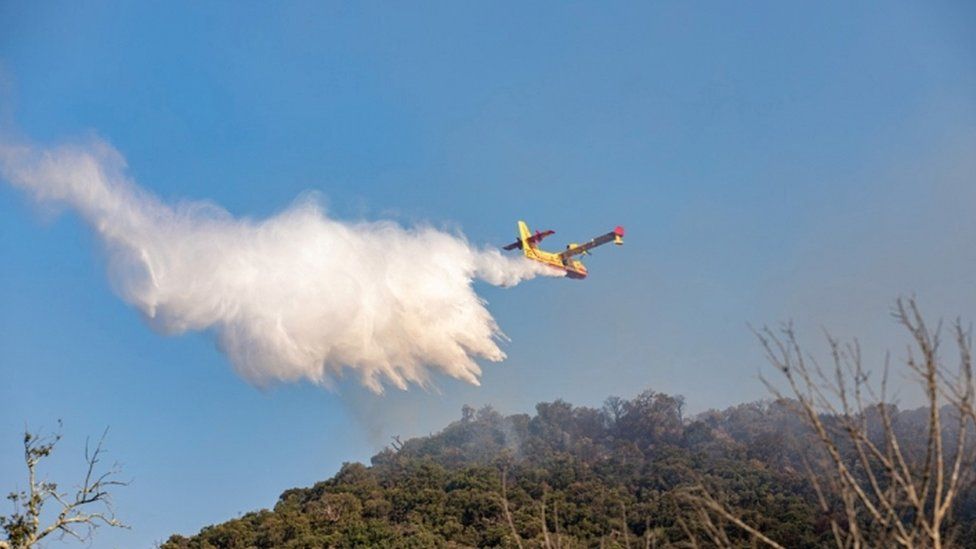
(566, 476)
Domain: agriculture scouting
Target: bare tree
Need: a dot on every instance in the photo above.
(711, 518)
(547, 539)
(79, 514)
(508, 513)
(873, 489)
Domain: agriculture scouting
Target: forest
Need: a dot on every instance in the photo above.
(567, 476)
(830, 459)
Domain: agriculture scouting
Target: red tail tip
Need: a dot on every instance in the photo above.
(619, 231)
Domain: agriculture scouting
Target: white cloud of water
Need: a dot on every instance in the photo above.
(296, 296)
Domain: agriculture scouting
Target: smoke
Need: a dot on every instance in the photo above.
(295, 296)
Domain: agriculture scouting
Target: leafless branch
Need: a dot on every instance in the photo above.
(508, 514)
(704, 505)
(79, 514)
(886, 496)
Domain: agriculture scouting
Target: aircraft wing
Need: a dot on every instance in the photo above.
(616, 236)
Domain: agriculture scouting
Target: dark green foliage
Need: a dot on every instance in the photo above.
(603, 476)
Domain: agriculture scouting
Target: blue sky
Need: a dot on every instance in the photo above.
(769, 161)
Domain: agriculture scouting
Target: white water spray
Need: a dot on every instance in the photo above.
(296, 296)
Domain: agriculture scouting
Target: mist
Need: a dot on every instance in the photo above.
(296, 296)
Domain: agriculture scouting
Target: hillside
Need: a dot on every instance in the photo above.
(569, 477)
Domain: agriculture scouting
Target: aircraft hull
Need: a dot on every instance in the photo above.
(564, 261)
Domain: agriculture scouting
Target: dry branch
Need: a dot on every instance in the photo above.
(873, 491)
(80, 513)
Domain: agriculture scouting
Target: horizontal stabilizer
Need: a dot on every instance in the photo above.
(532, 240)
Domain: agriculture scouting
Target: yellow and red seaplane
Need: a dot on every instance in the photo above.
(565, 260)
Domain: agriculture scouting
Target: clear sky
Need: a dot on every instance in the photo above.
(769, 161)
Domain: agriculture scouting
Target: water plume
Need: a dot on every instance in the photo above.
(299, 295)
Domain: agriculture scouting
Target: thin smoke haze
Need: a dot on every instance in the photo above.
(298, 295)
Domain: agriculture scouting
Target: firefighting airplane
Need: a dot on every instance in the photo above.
(529, 244)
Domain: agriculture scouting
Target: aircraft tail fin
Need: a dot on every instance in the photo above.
(525, 236)
(527, 240)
